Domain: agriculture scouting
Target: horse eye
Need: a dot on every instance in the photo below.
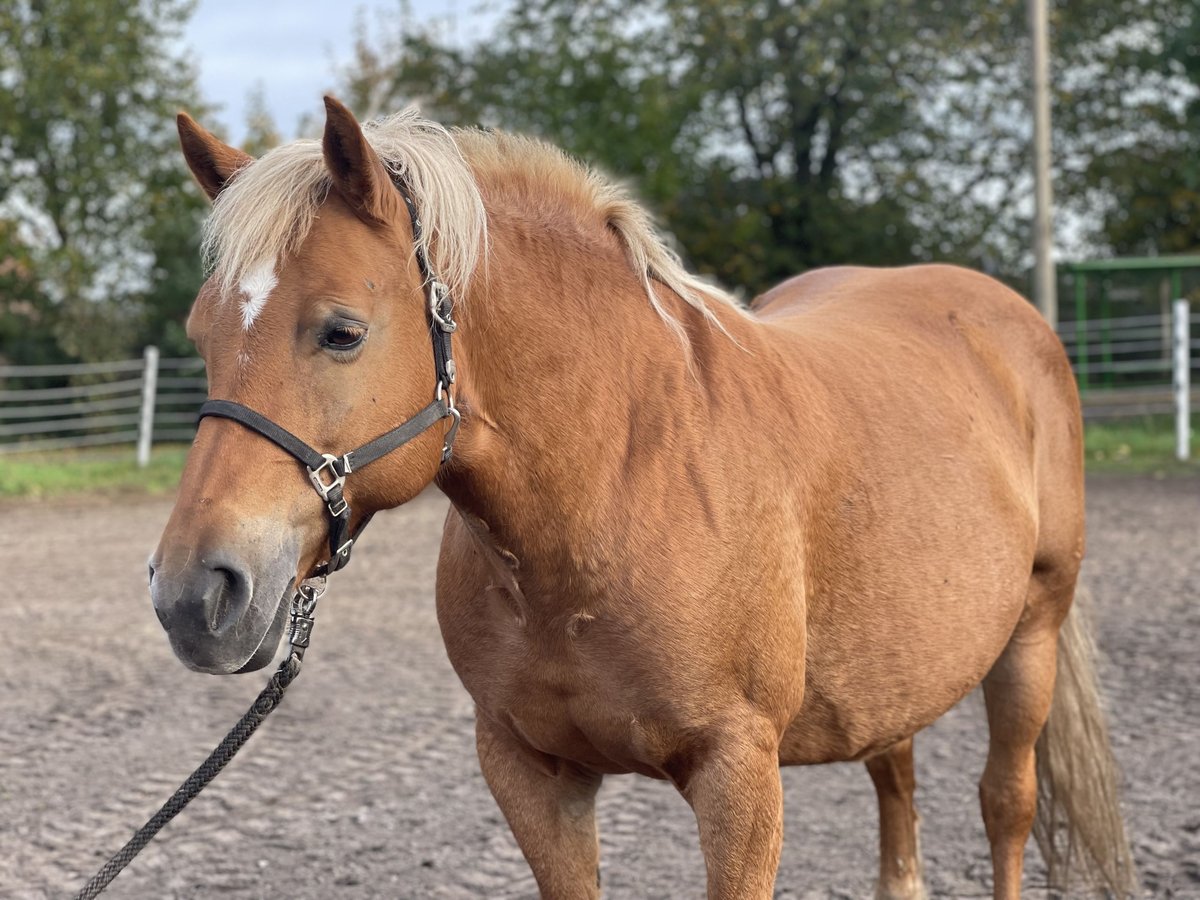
(343, 337)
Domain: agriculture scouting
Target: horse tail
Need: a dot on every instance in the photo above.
(1078, 823)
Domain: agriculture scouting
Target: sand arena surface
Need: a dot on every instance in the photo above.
(365, 783)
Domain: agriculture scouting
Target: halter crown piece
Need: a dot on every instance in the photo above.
(328, 472)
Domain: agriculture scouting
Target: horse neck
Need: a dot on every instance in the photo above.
(569, 379)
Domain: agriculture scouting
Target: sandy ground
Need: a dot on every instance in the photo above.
(365, 782)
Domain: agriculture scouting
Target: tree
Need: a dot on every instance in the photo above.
(771, 136)
(89, 170)
(1137, 173)
(23, 338)
(777, 135)
(261, 132)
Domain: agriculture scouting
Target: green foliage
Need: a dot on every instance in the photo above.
(1128, 110)
(261, 132)
(771, 137)
(23, 334)
(90, 178)
(774, 136)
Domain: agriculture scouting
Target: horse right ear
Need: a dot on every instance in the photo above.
(212, 161)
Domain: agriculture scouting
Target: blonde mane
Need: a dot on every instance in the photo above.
(269, 207)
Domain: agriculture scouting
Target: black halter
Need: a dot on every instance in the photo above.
(328, 472)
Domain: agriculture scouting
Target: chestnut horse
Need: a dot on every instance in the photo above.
(687, 540)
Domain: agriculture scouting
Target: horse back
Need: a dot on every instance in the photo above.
(912, 324)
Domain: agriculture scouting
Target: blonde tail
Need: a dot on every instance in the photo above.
(1078, 824)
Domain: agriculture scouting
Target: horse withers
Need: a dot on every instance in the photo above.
(686, 539)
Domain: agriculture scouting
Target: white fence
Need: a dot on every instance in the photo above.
(1139, 366)
(135, 401)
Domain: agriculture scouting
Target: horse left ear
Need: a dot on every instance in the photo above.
(358, 173)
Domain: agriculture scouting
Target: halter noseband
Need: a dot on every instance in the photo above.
(328, 472)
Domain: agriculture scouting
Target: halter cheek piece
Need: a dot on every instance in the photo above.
(328, 472)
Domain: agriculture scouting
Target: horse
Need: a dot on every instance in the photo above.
(687, 538)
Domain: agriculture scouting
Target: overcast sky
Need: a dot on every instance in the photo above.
(292, 48)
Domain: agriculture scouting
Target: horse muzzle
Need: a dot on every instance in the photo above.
(222, 613)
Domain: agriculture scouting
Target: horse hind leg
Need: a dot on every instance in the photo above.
(1018, 692)
(900, 870)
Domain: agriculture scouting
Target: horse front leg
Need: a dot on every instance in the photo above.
(731, 780)
(900, 875)
(550, 807)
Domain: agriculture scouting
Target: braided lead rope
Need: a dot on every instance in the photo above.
(301, 628)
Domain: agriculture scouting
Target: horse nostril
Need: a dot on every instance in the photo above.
(219, 609)
(208, 599)
(226, 599)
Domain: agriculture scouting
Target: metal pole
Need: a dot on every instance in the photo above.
(1182, 380)
(1081, 332)
(1044, 288)
(149, 390)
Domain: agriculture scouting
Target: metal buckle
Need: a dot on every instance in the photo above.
(448, 446)
(337, 507)
(338, 479)
(447, 390)
(440, 307)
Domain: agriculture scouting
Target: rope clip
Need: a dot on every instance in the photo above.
(304, 607)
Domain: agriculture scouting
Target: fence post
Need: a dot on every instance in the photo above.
(149, 390)
(1182, 380)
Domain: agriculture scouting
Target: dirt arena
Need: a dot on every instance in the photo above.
(365, 783)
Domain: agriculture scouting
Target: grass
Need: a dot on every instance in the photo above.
(1141, 447)
(90, 472)
(1137, 447)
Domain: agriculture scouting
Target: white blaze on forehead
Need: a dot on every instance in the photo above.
(256, 287)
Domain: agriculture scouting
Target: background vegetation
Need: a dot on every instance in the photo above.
(98, 219)
(776, 136)
(770, 137)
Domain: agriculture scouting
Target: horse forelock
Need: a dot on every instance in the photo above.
(268, 209)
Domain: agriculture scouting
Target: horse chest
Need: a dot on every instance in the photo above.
(555, 711)
(575, 669)
(556, 696)
(536, 665)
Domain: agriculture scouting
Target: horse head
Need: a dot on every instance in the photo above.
(314, 317)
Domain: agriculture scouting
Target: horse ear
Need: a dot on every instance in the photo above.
(358, 173)
(212, 161)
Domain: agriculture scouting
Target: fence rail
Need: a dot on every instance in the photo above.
(1138, 366)
(1132, 366)
(102, 368)
(99, 404)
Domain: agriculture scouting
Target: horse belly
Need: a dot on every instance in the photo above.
(885, 669)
